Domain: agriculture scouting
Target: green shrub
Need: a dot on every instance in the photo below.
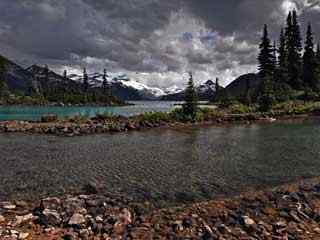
(239, 108)
(155, 117)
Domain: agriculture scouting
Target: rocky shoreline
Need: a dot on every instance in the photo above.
(78, 126)
(287, 212)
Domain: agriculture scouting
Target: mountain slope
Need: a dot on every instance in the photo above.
(238, 87)
(52, 80)
(17, 79)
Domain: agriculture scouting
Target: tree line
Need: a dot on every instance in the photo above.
(72, 92)
(285, 69)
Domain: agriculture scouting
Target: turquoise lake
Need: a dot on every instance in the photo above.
(34, 113)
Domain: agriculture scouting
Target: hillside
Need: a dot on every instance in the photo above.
(17, 79)
(238, 88)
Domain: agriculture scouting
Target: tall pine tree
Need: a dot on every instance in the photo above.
(65, 75)
(266, 56)
(294, 48)
(266, 60)
(105, 83)
(318, 62)
(191, 100)
(309, 62)
(283, 56)
(85, 80)
(2, 78)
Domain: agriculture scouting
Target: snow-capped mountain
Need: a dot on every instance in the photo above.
(205, 92)
(173, 90)
(119, 83)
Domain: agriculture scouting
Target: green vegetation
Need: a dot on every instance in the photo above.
(51, 88)
(288, 75)
(297, 107)
(190, 107)
(286, 71)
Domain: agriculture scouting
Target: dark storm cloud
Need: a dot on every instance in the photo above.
(153, 36)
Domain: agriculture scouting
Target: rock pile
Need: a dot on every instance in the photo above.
(290, 212)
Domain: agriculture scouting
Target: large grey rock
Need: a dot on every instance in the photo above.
(77, 219)
(51, 203)
(51, 217)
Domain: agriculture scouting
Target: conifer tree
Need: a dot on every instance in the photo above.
(318, 62)
(318, 53)
(274, 55)
(191, 100)
(105, 83)
(85, 80)
(2, 79)
(309, 62)
(65, 75)
(294, 48)
(217, 86)
(266, 72)
(266, 56)
(282, 59)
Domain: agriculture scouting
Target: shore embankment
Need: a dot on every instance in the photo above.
(77, 126)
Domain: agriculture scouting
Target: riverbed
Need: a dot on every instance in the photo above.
(165, 166)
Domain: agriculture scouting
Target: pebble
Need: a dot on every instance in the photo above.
(23, 235)
(2, 219)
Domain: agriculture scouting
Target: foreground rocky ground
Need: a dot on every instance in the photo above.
(289, 212)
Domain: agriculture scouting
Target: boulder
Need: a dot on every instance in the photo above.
(46, 118)
(76, 220)
(51, 203)
(50, 217)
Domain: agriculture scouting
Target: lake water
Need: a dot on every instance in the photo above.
(164, 166)
(34, 113)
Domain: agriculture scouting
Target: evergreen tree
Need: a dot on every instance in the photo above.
(309, 62)
(85, 80)
(282, 59)
(65, 75)
(288, 33)
(191, 100)
(317, 62)
(318, 53)
(2, 79)
(266, 56)
(105, 83)
(266, 72)
(294, 48)
(274, 55)
(217, 86)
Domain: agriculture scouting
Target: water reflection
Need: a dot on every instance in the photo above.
(164, 166)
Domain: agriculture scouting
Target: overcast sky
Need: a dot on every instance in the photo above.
(153, 41)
